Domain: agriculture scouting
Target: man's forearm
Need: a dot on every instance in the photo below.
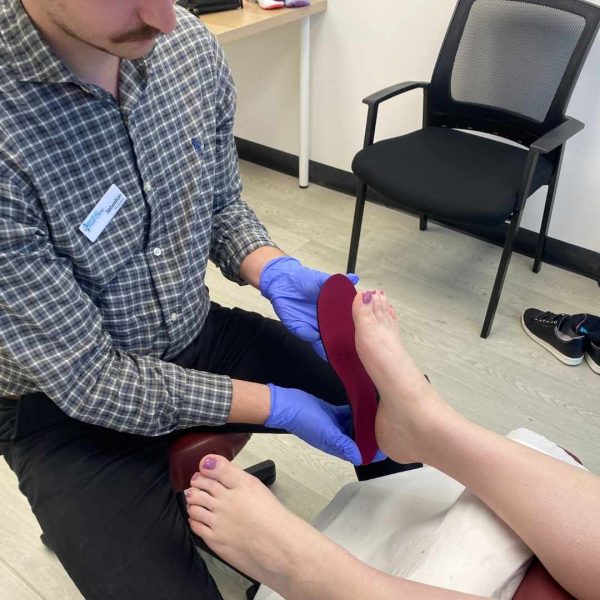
(250, 402)
(254, 263)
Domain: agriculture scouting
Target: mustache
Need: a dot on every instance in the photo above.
(143, 33)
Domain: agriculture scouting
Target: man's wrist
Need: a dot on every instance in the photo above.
(253, 264)
(250, 402)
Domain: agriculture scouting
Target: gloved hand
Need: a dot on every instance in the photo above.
(293, 291)
(379, 456)
(321, 425)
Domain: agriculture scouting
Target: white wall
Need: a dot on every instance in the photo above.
(360, 46)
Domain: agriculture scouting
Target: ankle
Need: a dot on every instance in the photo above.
(324, 571)
(302, 577)
(426, 422)
(436, 429)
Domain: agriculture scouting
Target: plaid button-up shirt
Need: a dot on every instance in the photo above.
(92, 324)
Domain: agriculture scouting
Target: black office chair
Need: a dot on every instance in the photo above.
(507, 68)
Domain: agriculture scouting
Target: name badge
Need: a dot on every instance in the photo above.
(103, 213)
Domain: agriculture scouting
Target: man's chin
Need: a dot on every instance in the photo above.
(133, 50)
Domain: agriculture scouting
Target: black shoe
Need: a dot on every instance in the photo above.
(557, 333)
(592, 356)
(589, 325)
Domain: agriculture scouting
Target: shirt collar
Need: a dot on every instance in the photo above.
(22, 47)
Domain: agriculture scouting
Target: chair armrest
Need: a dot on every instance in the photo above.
(543, 145)
(557, 136)
(393, 90)
(374, 100)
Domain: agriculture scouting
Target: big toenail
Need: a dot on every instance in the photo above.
(367, 296)
(209, 463)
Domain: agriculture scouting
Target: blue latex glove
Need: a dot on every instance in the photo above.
(379, 456)
(293, 291)
(321, 425)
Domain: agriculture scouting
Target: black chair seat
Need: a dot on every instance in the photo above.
(507, 68)
(449, 174)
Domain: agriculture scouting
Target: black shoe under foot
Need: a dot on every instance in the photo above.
(557, 333)
(592, 356)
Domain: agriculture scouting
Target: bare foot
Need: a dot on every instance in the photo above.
(242, 521)
(407, 400)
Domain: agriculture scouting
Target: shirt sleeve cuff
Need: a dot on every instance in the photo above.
(206, 401)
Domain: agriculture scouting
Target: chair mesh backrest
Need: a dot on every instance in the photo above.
(513, 55)
(509, 66)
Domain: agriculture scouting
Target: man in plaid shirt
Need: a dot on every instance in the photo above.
(118, 182)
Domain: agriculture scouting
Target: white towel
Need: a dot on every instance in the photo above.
(424, 526)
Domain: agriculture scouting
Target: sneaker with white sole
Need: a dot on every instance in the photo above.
(590, 327)
(592, 356)
(557, 333)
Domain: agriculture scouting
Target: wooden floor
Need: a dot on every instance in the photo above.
(439, 282)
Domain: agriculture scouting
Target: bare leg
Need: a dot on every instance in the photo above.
(552, 506)
(243, 522)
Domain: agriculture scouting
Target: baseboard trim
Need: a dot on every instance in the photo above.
(558, 253)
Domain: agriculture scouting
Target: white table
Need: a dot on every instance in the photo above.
(233, 25)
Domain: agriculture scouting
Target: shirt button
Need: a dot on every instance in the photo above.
(174, 316)
(147, 187)
(157, 251)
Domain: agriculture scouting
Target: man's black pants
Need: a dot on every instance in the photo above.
(103, 498)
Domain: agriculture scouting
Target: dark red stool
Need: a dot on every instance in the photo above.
(538, 584)
(185, 454)
(187, 450)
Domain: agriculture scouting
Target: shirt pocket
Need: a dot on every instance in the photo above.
(116, 249)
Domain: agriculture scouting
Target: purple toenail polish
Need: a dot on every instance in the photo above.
(195, 476)
(367, 296)
(209, 463)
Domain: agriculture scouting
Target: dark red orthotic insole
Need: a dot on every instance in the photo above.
(334, 313)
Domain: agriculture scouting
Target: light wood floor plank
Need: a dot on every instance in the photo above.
(13, 587)
(21, 550)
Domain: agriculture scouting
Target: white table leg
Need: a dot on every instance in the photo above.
(304, 101)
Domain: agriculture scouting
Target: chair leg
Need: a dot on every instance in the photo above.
(358, 216)
(423, 222)
(500, 276)
(541, 244)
